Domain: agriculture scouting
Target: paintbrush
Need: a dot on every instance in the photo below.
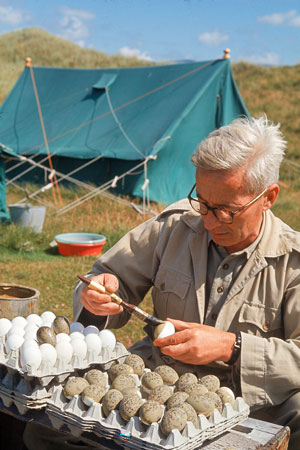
(131, 309)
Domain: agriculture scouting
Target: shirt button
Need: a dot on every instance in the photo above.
(225, 266)
(220, 289)
(214, 316)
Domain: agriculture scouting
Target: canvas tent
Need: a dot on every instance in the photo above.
(130, 129)
(5, 155)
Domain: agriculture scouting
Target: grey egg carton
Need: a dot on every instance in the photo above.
(25, 395)
(80, 418)
(61, 370)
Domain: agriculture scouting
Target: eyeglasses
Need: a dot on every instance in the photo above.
(222, 214)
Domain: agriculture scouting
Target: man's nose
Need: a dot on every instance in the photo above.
(210, 221)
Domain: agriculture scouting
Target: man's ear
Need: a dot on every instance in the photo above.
(270, 196)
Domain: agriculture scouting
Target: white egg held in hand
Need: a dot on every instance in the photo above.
(31, 356)
(108, 339)
(79, 347)
(64, 351)
(5, 326)
(163, 330)
(94, 343)
(49, 354)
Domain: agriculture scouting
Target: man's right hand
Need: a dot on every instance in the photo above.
(101, 304)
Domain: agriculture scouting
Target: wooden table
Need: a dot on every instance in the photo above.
(251, 434)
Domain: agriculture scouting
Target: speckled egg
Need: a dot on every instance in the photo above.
(92, 393)
(129, 406)
(184, 380)
(136, 362)
(95, 376)
(61, 325)
(74, 386)
(168, 374)
(191, 413)
(150, 411)
(161, 394)
(196, 388)
(211, 382)
(123, 381)
(150, 380)
(45, 335)
(118, 369)
(226, 395)
(202, 404)
(110, 401)
(176, 399)
(131, 391)
(174, 418)
(216, 399)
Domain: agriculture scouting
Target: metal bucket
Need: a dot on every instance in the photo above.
(16, 300)
(28, 216)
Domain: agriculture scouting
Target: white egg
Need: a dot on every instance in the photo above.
(90, 329)
(47, 324)
(5, 326)
(64, 351)
(15, 329)
(94, 343)
(34, 318)
(31, 326)
(167, 330)
(19, 321)
(49, 354)
(76, 335)
(31, 356)
(76, 326)
(108, 339)
(29, 343)
(79, 347)
(48, 316)
(63, 337)
(13, 342)
(30, 335)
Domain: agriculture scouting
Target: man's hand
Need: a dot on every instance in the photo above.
(101, 304)
(197, 344)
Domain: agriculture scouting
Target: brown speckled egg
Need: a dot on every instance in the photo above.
(123, 381)
(45, 335)
(176, 399)
(161, 393)
(150, 411)
(131, 391)
(110, 401)
(216, 399)
(168, 374)
(184, 380)
(118, 369)
(174, 418)
(74, 386)
(92, 393)
(226, 395)
(191, 413)
(195, 388)
(150, 380)
(129, 406)
(211, 382)
(61, 325)
(202, 404)
(95, 376)
(136, 362)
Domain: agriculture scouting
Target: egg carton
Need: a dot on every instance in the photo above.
(61, 370)
(80, 418)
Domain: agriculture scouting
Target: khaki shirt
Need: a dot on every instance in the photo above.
(169, 252)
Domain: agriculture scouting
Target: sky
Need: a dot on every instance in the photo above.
(258, 31)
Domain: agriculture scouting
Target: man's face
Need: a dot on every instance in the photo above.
(227, 190)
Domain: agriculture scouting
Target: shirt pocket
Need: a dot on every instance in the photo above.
(260, 320)
(169, 293)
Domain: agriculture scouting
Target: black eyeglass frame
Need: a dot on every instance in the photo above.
(210, 208)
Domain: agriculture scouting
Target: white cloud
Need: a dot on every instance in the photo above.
(12, 16)
(213, 37)
(288, 18)
(134, 52)
(269, 58)
(74, 24)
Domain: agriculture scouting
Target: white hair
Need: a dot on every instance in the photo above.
(255, 145)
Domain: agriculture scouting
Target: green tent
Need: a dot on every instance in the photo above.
(5, 154)
(138, 126)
